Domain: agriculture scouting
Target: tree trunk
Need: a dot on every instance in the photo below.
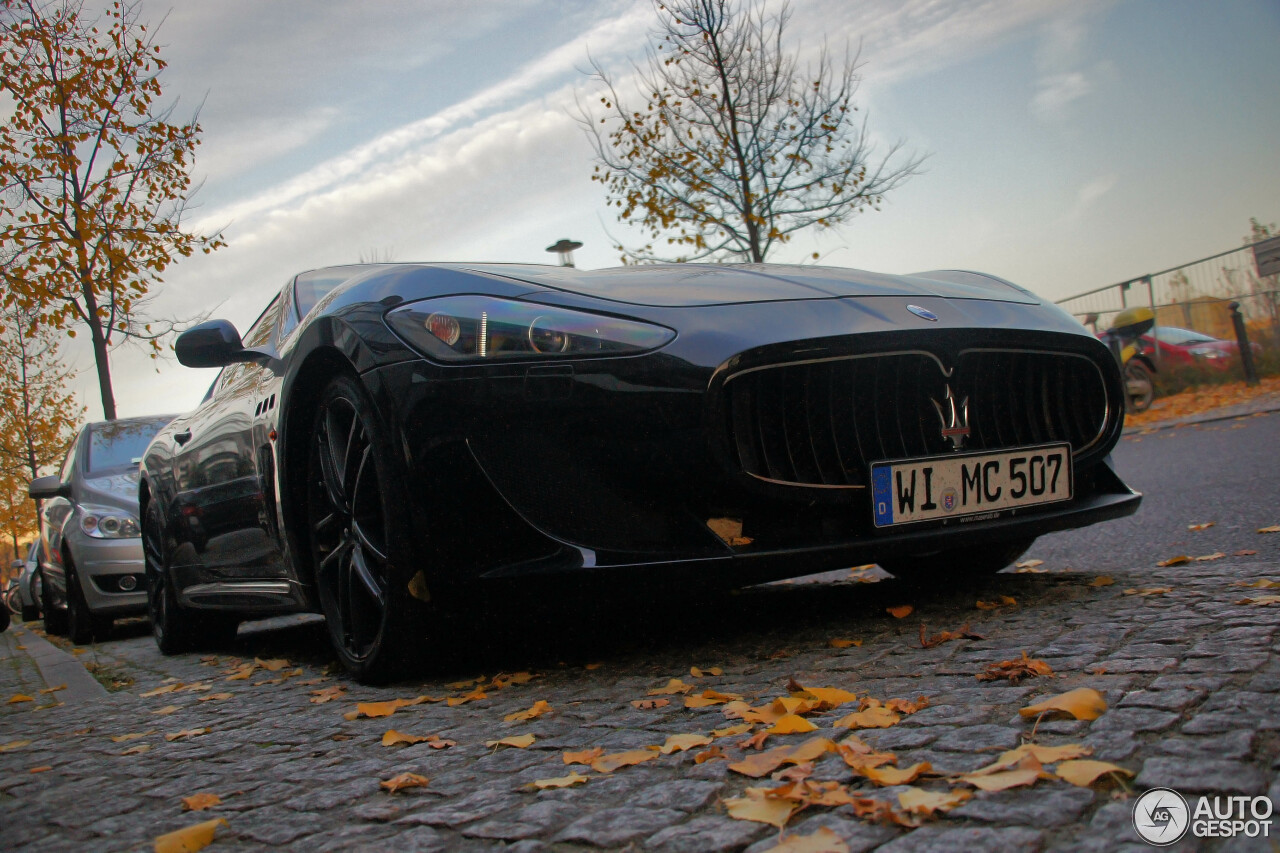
(102, 360)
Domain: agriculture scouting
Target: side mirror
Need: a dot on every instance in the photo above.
(52, 486)
(18, 564)
(215, 343)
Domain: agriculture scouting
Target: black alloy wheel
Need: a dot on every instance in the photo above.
(55, 619)
(943, 569)
(350, 501)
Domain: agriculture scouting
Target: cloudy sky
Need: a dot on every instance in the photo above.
(1070, 143)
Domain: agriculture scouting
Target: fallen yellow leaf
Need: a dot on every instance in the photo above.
(889, 776)
(393, 738)
(1208, 558)
(1149, 590)
(537, 710)
(136, 749)
(381, 709)
(166, 710)
(673, 687)
(1002, 780)
(761, 809)
(1029, 564)
(585, 756)
(1264, 583)
(517, 741)
(1102, 580)
(43, 768)
(200, 802)
(214, 697)
(1083, 703)
(328, 694)
(1262, 600)
(876, 717)
(1174, 561)
(14, 744)
(1204, 526)
(920, 801)
(902, 611)
(405, 780)
(558, 782)
(843, 643)
(790, 724)
(824, 840)
(133, 736)
(190, 839)
(679, 743)
(52, 689)
(187, 733)
(1084, 773)
(610, 763)
(1275, 528)
(272, 664)
(709, 698)
(762, 763)
(649, 704)
(699, 673)
(730, 731)
(20, 697)
(159, 691)
(828, 697)
(711, 754)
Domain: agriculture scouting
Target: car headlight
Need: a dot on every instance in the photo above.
(108, 523)
(475, 328)
(1208, 352)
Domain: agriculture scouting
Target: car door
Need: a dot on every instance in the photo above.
(221, 482)
(55, 514)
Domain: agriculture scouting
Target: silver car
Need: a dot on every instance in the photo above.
(91, 565)
(29, 581)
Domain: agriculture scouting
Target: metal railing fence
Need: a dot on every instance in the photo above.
(1193, 296)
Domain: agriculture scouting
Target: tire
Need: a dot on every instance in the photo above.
(176, 629)
(32, 613)
(1140, 385)
(82, 625)
(55, 620)
(353, 500)
(956, 568)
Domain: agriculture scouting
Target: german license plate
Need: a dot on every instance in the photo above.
(969, 484)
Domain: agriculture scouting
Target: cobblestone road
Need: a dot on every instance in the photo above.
(1191, 678)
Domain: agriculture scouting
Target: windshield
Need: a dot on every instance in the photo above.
(1181, 337)
(118, 443)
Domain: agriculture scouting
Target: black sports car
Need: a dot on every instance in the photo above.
(386, 437)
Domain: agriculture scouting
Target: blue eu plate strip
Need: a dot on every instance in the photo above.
(882, 494)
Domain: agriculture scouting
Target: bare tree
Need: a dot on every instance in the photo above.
(732, 148)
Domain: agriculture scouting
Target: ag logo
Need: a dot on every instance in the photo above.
(1161, 816)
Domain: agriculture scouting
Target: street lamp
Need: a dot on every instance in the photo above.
(564, 249)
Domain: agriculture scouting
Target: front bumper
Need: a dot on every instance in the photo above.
(102, 565)
(613, 465)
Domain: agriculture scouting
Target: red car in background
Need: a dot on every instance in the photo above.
(1186, 347)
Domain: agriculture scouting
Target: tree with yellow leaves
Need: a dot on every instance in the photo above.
(733, 147)
(94, 176)
(38, 417)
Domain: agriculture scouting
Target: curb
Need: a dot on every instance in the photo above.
(1208, 418)
(56, 666)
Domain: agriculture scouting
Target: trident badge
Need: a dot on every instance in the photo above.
(955, 422)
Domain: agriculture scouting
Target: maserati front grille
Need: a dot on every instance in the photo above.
(822, 422)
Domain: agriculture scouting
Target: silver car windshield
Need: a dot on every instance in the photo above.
(120, 443)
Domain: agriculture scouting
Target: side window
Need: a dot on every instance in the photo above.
(290, 320)
(259, 333)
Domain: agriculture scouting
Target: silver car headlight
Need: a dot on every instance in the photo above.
(479, 328)
(1211, 353)
(103, 522)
